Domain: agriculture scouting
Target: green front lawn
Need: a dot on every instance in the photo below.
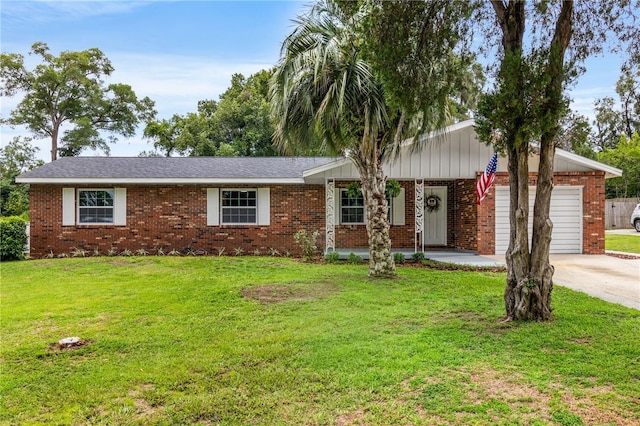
(249, 340)
(624, 243)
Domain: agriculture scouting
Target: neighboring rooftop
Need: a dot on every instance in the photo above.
(173, 169)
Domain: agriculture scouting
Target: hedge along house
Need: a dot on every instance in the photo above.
(110, 203)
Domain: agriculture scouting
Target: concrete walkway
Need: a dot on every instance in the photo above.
(458, 257)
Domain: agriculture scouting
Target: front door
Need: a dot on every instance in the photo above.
(435, 215)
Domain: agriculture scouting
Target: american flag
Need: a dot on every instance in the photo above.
(487, 178)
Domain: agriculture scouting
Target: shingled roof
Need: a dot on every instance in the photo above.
(174, 170)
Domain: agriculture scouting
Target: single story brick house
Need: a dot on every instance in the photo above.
(115, 203)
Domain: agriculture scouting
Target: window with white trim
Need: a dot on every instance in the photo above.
(352, 208)
(239, 206)
(95, 206)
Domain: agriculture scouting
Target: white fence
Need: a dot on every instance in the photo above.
(617, 212)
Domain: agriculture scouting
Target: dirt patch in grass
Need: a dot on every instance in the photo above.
(58, 347)
(527, 403)
(530, 402)
(143, 407)
(278, 293)
(353, 418)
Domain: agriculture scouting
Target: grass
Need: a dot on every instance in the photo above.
(624, 243)
(245, 340)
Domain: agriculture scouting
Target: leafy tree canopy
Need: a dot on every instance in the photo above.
(418, 51)
(67, 100)
(16, 157)
(625, 156)
(238, 124)
(611, 120)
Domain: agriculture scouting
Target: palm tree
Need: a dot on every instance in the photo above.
(323, 93)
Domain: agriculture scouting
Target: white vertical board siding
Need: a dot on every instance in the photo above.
(454, 160)
(213, 207)
(68, 206)
(264, 207)
(455, 155)
(120, 207)
(398, 210)
(565, 213)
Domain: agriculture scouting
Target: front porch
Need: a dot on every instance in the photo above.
(454, 256)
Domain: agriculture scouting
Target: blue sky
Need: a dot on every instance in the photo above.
(180, 52)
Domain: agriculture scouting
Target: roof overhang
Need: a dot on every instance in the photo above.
(323, 168)
(162, 181)
(609, 172)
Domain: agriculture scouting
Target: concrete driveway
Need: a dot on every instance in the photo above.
(606, 277)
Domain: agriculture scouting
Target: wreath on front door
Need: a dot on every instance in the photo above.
(432, 203)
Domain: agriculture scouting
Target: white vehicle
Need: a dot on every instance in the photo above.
(635, 218)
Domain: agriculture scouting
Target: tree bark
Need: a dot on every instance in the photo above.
(54, 144)
(541, 268)
(530, 274)
(373, 181)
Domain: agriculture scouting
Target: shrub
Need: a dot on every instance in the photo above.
(398, 258)
(354, 259)
(13, 238)
(78, 252)
(307, 243)
(273, 252)
(332, 257)
(418, 256)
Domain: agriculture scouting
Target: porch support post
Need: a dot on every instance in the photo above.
(330, 222)
(419, 219)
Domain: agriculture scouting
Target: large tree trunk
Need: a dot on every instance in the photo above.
(530, 274)
(381, 264)
(54, 143)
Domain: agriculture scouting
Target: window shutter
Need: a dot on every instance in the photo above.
(120, 206)
(68, 206)
(337, 200)
(398, 209)
(264, 207)
(213, 207)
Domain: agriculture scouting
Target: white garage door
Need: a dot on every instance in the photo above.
(565, 213)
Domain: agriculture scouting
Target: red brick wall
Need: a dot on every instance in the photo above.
(466, 214)
(402, 236)
(593, 197)
(170, 216)
(461, 219)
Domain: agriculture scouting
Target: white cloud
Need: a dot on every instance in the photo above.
(176, 83)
